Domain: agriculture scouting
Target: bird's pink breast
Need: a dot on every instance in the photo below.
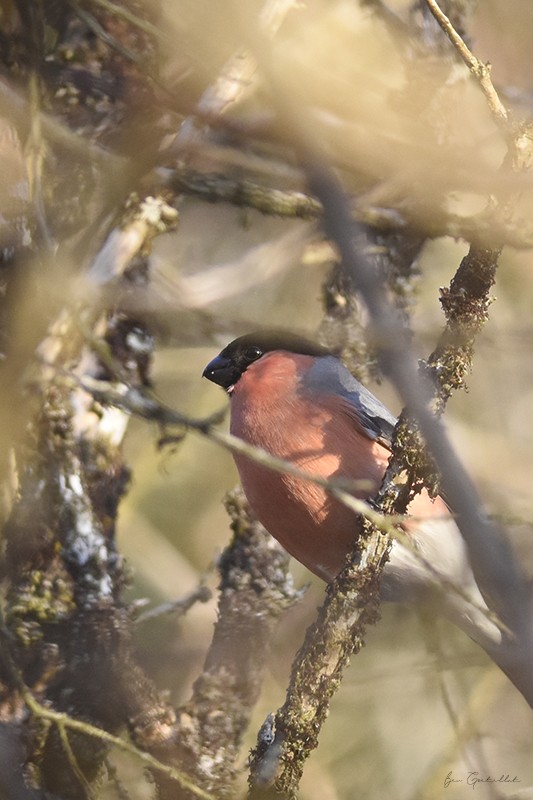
(316, 434)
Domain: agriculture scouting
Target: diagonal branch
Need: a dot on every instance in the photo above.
(480, 70)
(491, 556)
(351, 605)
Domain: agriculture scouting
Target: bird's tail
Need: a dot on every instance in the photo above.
(436, 571)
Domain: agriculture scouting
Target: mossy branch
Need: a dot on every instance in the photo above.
(351, 605)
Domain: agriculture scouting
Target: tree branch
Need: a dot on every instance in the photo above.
(255, 591)
(352, 603)
(478, 69)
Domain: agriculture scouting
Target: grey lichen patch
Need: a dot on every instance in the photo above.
(59, 556)
(254, 560)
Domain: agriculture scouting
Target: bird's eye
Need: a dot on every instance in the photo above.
(253, 353)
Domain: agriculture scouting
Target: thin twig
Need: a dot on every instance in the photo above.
(136, 401)
(92, 23)
(480, 70)
(61, 719)
(113, 776)
(124, 13)
(72, 759)
(202, 594)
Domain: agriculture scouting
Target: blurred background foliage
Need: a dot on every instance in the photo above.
(408, 131)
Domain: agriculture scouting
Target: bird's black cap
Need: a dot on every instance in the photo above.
(236, 357)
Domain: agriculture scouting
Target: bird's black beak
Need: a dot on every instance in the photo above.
(222, 370)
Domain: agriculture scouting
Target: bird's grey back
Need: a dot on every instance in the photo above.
(328, 374)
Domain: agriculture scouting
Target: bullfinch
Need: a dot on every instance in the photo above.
(296, 400)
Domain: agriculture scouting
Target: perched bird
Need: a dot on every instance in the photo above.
(297, 401)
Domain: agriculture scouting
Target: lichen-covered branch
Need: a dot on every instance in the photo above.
(391, 217)
(351, 605)
(216, 187)
(69, 633)
(255, 590)
(465, 304)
